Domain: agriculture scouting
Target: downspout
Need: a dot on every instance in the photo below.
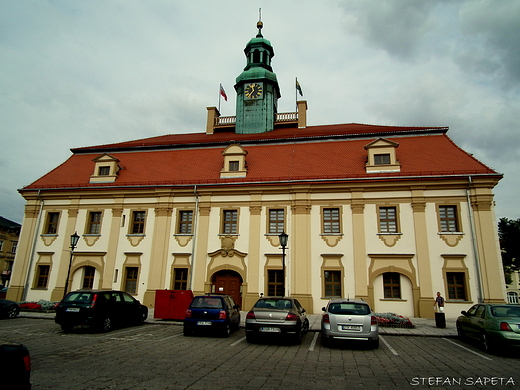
(474, 242)
(33, 249)
(196, 213)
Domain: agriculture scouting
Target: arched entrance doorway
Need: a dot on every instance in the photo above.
(228, 282)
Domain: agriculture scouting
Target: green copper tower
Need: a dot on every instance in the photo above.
(257, 88)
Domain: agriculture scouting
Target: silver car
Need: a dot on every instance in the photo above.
(346, 319)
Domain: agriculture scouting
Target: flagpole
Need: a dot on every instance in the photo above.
(219, 94)
(296, 93)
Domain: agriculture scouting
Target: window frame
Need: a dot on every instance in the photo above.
(138, 226)
(385, 220)
(278, 222)
(392, 281)
(382, 159)
(183, 224)
(104, 170)
(275, 285)
(51, 226)
(457, 289)
(41, 279)
(88, 280)
(180, 278)
(327, 223)
(447, 220)
(94, 226)
(232, 223)
(332, 285)
(131, 282)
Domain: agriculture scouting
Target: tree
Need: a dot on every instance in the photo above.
(509, 235)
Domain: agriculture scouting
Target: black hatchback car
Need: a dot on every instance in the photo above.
(100, 309)
(213, 312)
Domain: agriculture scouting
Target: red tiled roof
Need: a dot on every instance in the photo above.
(350, 129)
(300, 158)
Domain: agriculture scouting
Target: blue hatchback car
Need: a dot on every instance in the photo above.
(212, 313)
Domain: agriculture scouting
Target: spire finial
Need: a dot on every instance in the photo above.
(259, 25)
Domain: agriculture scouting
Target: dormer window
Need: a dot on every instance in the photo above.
(234, 162)
(382, 159)
(105, 169)
(382, 156)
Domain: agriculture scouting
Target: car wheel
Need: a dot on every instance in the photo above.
(66, 328)
(306, 325)
(226, 331)
(374, 344)
(106, 324)
(142, 319)
(460, 332)
(298, 337)
(12, 312)
(484, 343)
(187, 331)
(250, 337)
(325, 341)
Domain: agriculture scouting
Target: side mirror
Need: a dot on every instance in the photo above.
(303, 310)
(464, 313)
(323, 308)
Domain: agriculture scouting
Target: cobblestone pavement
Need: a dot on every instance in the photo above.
(155, 356)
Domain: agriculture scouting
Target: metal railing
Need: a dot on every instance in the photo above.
(280, 117)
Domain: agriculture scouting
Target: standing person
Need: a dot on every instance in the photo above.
(439, 302)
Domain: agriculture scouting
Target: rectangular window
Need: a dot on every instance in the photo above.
(131, 274)
(42, 276)
(94, 225)
(456, 285)
(230, 222)
(13, 247)
(387, 220)
(104, 171)
(1, 245)
(88, 278)
(180, 279)
(392, 285)
(331, 221)
(138, 222)
(332, 283)
(185, 222)
(275, 283)
(276, 221)
(381, 159)
(51, 227)
(448, 219)
(234, 165)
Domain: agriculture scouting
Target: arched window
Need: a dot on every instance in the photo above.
(256, 56)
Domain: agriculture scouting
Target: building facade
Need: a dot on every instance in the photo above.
(385, 213)
(9, 234)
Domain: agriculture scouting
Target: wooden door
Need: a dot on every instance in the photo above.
(228, 283)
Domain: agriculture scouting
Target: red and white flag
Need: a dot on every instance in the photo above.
(223, 93)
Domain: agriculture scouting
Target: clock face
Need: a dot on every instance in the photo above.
(254, 91)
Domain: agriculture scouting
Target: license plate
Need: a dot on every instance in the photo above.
(270, 329)
(351, 327)
(73, 309)
(204, 323)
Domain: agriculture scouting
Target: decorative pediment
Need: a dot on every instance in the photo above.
(105, 169)
(382, 156)
(234, 162)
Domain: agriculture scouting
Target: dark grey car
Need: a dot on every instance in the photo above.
(271, 316)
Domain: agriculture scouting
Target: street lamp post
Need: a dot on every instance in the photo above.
(283, 243)
(73, 242)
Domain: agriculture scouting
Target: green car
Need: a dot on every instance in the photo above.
(492, 325)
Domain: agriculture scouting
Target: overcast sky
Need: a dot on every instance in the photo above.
(90, 72)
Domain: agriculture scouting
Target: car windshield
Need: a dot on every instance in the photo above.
(207, 303)
(274, 304)
(349, 308)
(505, 311)
(78, 297)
